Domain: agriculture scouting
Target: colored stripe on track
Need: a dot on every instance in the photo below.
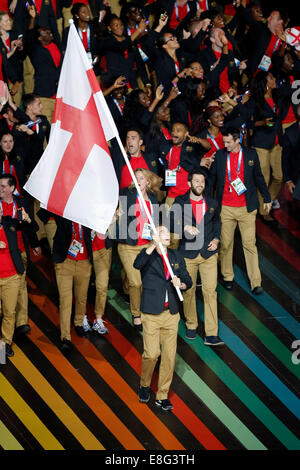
(55, 402)
(277, 244)
(268, 303)
(30, 420)
(7, 440)
(267, 338)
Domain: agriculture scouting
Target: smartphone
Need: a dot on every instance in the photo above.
(19, 214)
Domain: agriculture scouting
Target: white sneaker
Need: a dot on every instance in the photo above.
(275, 204)
(86, 324)
(99, 326)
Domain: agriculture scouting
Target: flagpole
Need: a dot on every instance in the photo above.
(147, 212)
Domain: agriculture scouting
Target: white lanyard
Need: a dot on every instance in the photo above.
(198, 5)
(170, 159)
(14, 209)
(118, 106)
(213, 141)
(142, 208)
(80, 231)
(177, 12)
(239, 164)
(88, 37)
(5, 44)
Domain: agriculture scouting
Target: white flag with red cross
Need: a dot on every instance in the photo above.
(75, 177)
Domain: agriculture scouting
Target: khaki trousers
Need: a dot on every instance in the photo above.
(270, 163)
(66, 12)
(50, 229)
(208, 269)
(159, 338)
(48, 107)
(231, 217)
(41, 233)
(102, 264)
(127, 255)
(28, 72)
(9, 290)
(22, 302)
(68, 274)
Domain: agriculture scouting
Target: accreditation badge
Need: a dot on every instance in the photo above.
(265, 63)
(146, 235)
(170, 177)
(238, 186)
(75, 248)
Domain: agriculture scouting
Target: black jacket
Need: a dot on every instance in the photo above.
(10, 228)
(155, 283)
(253, 177)
(63, 237)
(46, 18)
(46, 74)
(13, 65)
(263, 136)
(190, 155)
(212, 72)
(291, 154)
(209, 227)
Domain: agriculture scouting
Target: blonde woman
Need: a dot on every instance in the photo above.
(135, 232)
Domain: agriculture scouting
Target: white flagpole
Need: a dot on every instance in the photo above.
(147, 212)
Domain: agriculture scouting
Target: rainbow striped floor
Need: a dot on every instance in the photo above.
(244, 395)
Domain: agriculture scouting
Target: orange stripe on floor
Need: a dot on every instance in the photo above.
(54, 401)
(84, 390)
(30, 420)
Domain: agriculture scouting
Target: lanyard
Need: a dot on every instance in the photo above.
(213, 140)
(5, 44)
(170, 159)
(203, 208)
(14, 209)
(176, 68)
(177, 12)
(11, 169)
(118, 106)
(80, 231)
(276, 45)
(88, 37)
(142, 208)
(239, 164)
(205, 7)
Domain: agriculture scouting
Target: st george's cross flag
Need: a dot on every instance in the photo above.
(75, 177)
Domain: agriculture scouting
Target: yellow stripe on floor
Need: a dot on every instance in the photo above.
(30, 420)
(7, 440)
(55, 402)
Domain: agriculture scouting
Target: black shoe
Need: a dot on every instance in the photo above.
(165, 405)
(80, 331)
(227, 284)
(66, 345)
(22, 330)
(8, 350)
(144, 394)
(213, 341)
(258, 290)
